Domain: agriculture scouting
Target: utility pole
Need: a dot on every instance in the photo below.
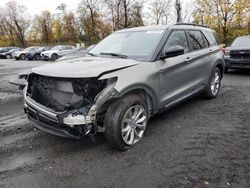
(178, 11)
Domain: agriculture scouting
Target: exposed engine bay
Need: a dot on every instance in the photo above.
(62, 94)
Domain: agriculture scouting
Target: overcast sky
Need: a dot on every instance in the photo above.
(36, 6)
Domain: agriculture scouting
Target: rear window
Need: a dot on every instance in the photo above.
(197, 40)
(212, 38)
(241, 42)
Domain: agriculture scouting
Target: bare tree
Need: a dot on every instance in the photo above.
(43, 24)
(115, 13)
(160, 11)
(15, 22)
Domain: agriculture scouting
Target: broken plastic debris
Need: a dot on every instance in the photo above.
(206, 183)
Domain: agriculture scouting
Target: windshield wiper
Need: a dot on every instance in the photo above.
(115, 54)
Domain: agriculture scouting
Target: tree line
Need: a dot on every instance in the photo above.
(95, 19)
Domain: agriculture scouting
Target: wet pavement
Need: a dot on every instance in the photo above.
(200, 143)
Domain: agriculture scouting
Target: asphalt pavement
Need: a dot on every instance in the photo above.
(200, 143)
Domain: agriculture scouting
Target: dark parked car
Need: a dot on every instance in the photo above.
(36, 54)
(8, 54)
(128, 77)
(6, 49)
(237, 55)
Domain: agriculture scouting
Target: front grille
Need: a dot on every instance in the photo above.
(240, 54)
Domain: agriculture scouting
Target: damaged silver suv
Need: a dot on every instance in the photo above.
(124, 80)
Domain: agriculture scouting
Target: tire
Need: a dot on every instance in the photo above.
(17, 58)
(22, 56)
(120, 128)
(213, 86)
(54, 57)
(36, 57)
(8, 56)
(226, 70)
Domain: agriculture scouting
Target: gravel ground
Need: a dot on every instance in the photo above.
(200, 143)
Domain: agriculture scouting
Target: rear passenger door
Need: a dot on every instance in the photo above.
(199, 55)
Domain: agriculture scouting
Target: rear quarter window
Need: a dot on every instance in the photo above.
(212, 38)
(197, 40)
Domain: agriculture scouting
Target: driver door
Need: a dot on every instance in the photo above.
(176, 74)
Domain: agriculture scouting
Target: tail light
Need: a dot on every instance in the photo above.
(227, 54)
(223, 50)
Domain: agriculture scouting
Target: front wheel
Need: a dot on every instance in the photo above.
(125, 122)
(213, 87)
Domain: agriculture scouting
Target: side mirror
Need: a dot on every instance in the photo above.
(172, 52)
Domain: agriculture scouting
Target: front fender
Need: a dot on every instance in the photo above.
(149, 91)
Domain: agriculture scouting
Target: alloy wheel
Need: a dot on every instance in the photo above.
(215, 84)
(134, 124)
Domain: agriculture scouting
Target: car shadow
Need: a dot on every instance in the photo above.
(239, 72)
(67, 145)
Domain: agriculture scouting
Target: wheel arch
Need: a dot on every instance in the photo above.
(220, 64)
(143, 90)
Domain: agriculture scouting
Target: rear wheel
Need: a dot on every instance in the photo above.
(36, 57)
(214, 83)
(54, 57)
(22, 56)
(125, 122)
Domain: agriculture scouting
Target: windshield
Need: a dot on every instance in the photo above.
(28, 49)
(241, 42)
(31, 48)
(13, 50)
(57, 48)
(134, 45)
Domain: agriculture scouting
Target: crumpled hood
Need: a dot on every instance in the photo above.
(84, 67)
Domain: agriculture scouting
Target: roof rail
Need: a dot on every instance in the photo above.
(193, 24)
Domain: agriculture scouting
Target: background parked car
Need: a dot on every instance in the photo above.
(21, 55)
(8, 54)
(6, 49)
(56, 52)
(36, 54)
(75, 52)
(79, 52)
(237, 55)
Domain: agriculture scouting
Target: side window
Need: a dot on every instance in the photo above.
(177, 38)
(212, 37)
(205, 41)
(197, 40)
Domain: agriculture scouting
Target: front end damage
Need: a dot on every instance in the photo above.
(68, 107)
